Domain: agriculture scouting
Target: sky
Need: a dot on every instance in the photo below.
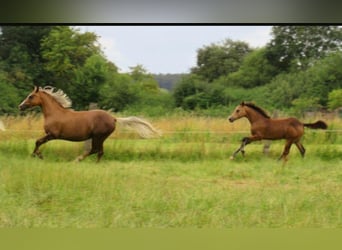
(165, 49)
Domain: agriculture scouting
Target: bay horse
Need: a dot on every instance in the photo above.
(60, 122)
(263, 127)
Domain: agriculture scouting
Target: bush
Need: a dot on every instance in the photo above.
(335, 99)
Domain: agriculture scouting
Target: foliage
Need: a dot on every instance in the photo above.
(302, 105)
(255, 71)
(187, 90)
(151, 104)
(9, 99)
(146, 80)
(65, 51)
(335, 99)
(117, 92)
(294, 47)
(20, 56)
(281, 91)
(220, 59)
(90, 79)
(300, 69)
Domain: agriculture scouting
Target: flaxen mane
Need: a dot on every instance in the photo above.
(256, 108)
(58, 95)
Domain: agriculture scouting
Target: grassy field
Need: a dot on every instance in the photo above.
(182, 180)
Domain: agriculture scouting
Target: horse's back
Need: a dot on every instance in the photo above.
(291, 126)
(291, 121)
(102, 121)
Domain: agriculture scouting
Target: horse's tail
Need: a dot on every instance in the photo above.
(2, 126)
(317, 125)
(142, 127)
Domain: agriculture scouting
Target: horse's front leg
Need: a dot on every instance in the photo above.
(39, 142)
(245, 141)
(286, 151)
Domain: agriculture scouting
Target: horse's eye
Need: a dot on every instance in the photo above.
(30, 97)
(237, 111)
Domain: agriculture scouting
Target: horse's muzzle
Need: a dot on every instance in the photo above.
(231, 119)
(22, 107)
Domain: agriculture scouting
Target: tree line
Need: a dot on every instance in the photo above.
(300, 68)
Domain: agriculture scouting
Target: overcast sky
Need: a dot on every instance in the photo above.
(168, 49)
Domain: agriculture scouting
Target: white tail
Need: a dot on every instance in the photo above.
(142, 127)
(2, 126)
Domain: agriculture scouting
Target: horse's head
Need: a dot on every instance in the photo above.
(33, 99)
(239, 112)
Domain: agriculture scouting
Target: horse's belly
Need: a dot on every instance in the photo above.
(74, 136)
(274, 133)
(70, 133)
(276, 137)
(82, 133)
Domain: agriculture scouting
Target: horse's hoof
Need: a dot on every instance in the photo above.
(231, 158)
(40, 156)
(78, 159)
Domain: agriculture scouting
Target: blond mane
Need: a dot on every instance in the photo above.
(58, 95)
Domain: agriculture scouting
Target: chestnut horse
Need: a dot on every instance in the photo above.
(67, 124)
(263, 127)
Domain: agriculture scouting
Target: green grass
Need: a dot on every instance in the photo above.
(179, 181)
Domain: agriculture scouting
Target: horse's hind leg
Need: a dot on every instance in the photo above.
(96, 147)
(84, 155)
(100, 152)
(300, 148)
(88, 150)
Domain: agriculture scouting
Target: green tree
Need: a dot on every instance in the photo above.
(118, 92)
(309, 87)
(220, 59)
(304, 104)
(65, 51)
(323, 77)
(255, 71)
(9, 98)
(283, 89)
(188, 91)
(146, 80)
(294, 47)
(21, 57)
(335, 99)
(89, 79)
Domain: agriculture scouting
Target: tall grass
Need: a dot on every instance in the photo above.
(181, 180)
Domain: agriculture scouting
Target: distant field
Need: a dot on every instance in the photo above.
(182, 180)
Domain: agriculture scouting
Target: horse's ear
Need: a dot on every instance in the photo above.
(242, 103)
(36, 89)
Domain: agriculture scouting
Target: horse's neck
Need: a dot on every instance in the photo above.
(254, 116)
(51, 108)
